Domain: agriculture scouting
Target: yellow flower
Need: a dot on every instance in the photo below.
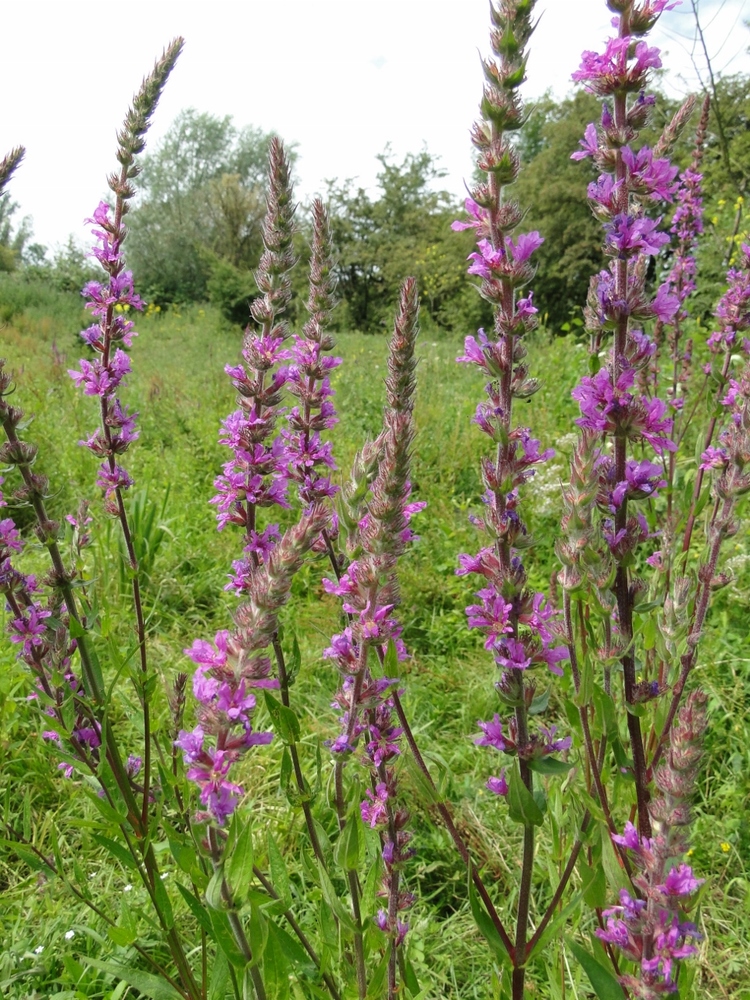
(726, 847)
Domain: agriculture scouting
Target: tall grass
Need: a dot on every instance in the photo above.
(180, 388)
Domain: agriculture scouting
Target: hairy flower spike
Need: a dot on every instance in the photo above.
(138, 119)
(9, 164)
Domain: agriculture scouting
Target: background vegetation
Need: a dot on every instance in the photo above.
(195, 231)
(194, 240)
(182, 393)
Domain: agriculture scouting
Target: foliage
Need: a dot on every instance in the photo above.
(13, 240)
(406, 229)
(200, 211)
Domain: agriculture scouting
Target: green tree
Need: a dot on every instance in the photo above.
(12, 240)
(198, 223)
(405, 230)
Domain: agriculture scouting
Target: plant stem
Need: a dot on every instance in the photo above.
(238, 931)
(294, 754)
(450, 826)
(303, 939)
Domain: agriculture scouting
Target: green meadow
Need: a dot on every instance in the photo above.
(179, 387)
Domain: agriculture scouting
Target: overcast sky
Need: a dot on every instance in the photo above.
(341, 78)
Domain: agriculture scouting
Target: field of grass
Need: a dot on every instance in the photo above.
(181, 392)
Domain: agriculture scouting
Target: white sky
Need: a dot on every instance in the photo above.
(340, 77)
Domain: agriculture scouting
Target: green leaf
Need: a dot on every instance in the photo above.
(279, 873)
(539, 703)
(558, 923)
(213, 890)
(331, 897)
(522, 807)
(184, 855)
(347, 846)
(217, 988)
(111, 815)
(122, 854)
(603, 982)
(390, 664)
(147, 984)
(163, 903)
(550, 765)
(485, 925)
(410, 978)
(224, 938)
(122, 936)
(376, 985)
(284, 719)
(238, 862)
(290, 946)
(593, 884)
(77, 631)
(604, 710)
(285, 773)
(196, 908)
(258, 932)
(294, 664)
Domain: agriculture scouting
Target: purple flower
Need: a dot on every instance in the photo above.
(665, 305)
(628, 235)
(523, 247)
(479, 216)
(647, 176)
(610, 72)
(493, 734)
(234, 702)
(552, 745)
(9, 536)
(714, 458)
(210, 654)
(29, 629)
(492, 615)
(111, 480)
(680, 882)
(374, 812)
(589, 143)
(499, 786)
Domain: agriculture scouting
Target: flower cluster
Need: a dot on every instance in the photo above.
(308, 377)
(687, 221)
(731, 458)
(733, 310)
(369, 591)
(520, 628)
(223, 686)
(616, 402)
(109, 303)
(233, 666)
(257, 474)
(651, 930)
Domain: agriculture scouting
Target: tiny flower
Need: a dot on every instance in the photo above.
(499, 786)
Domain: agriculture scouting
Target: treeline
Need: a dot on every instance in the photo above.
(195, 233)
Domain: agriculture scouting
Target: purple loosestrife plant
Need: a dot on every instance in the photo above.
(521, 628)
(615, 415)
(651, 930)
(52, 631)
(370, 592)
(628, 452)
(614, 781)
